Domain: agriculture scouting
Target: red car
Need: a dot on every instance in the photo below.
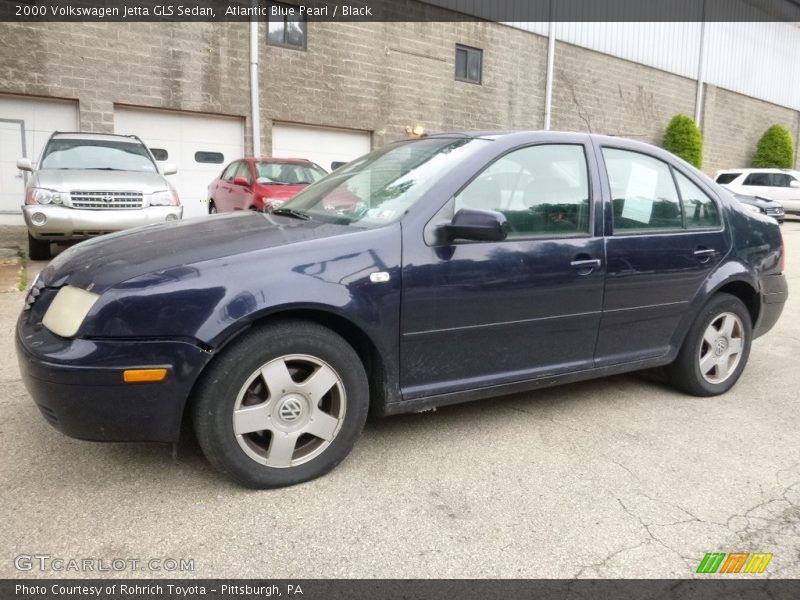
(260, 183)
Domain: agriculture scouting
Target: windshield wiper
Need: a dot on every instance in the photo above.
(290, 212)
(104, 169)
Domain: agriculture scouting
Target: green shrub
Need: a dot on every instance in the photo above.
(683, 138)
(775, 149)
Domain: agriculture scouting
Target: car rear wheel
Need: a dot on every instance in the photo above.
(716, 348)
(283, 405)
(38, 249)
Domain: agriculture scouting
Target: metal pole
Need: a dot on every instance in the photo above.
(548, 86)
(701, 73)
(255, 114)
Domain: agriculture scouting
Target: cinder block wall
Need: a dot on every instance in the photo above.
(733, 124)
(380, 77)
(384, 77)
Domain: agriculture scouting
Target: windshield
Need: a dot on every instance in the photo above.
(288, 174)
(108, 155)
(379, 188)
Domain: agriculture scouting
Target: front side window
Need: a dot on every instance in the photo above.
(700, 210)
(381, 186)
(542, 191)
(286, 28)
(782, 180)
(643, 192)
(228, 173)
(244, 171)
(469, 64)
(103, 155)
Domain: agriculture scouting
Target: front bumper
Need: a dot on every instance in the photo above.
(62, 223)
(77, 384)
(774, 293)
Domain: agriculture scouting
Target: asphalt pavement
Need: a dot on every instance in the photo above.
(619, 477)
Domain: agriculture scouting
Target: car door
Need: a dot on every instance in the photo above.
(664, 237)
(241, 194)
(787, 191)
(224, 187)
(478, 314)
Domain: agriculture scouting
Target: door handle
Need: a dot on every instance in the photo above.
(704, 254)
(589, 263)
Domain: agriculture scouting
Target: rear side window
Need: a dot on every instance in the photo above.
(542, 191)
(761, 179)
(700, 210)
(643, 192)
(727, 177)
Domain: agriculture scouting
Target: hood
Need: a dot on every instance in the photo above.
(67, 180)
(102, 262)
(279, 192)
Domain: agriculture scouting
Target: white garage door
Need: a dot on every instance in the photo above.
(319, 144)
(25, 125)
(200, 146)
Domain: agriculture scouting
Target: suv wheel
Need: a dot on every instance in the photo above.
(38, 249)
(284, 404)
(715, 350)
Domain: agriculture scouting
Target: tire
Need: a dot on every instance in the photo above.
(715, 350)
(256, 422)
(38, 249)
(212, 208)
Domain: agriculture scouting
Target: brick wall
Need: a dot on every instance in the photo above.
(602, 94)
(182, 66)
(733, 124)
(380, 77)
(383, 77)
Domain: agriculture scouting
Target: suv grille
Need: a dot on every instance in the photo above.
(106, 200)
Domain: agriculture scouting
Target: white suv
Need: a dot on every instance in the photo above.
(780, 185)
(88, 184)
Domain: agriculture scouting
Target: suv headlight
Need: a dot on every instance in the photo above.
(752, 208)
(165, 198)
(42, 196)
(68, 309)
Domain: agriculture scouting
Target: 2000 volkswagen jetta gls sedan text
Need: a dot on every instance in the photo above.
(470, 265)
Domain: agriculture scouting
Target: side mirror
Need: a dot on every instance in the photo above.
(169, 168)
(336, 164)
(241, 180)
(477, 225)
(793, 183)
(24, 164)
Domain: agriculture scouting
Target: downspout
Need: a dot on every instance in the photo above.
(548, 86)
(255, 114)
(701, 72)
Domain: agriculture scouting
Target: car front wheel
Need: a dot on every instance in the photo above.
(715, 350)
(284, 404)
(38, 249)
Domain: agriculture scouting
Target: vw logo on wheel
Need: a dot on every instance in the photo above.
(291, 410)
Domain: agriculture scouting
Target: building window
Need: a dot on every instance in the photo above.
(287, 29)
(469, 64)
(214, 158)
(159, 154)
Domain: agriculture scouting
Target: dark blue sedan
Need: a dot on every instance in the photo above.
(461, 266)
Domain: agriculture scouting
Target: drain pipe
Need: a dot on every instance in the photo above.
(548, 86)
(255, 114)
(701, 72)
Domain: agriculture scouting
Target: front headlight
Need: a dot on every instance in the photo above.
(752, 208)
(165, 198)
(42, 196)
(69, 308)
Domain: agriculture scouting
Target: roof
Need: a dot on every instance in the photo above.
(80, 135)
